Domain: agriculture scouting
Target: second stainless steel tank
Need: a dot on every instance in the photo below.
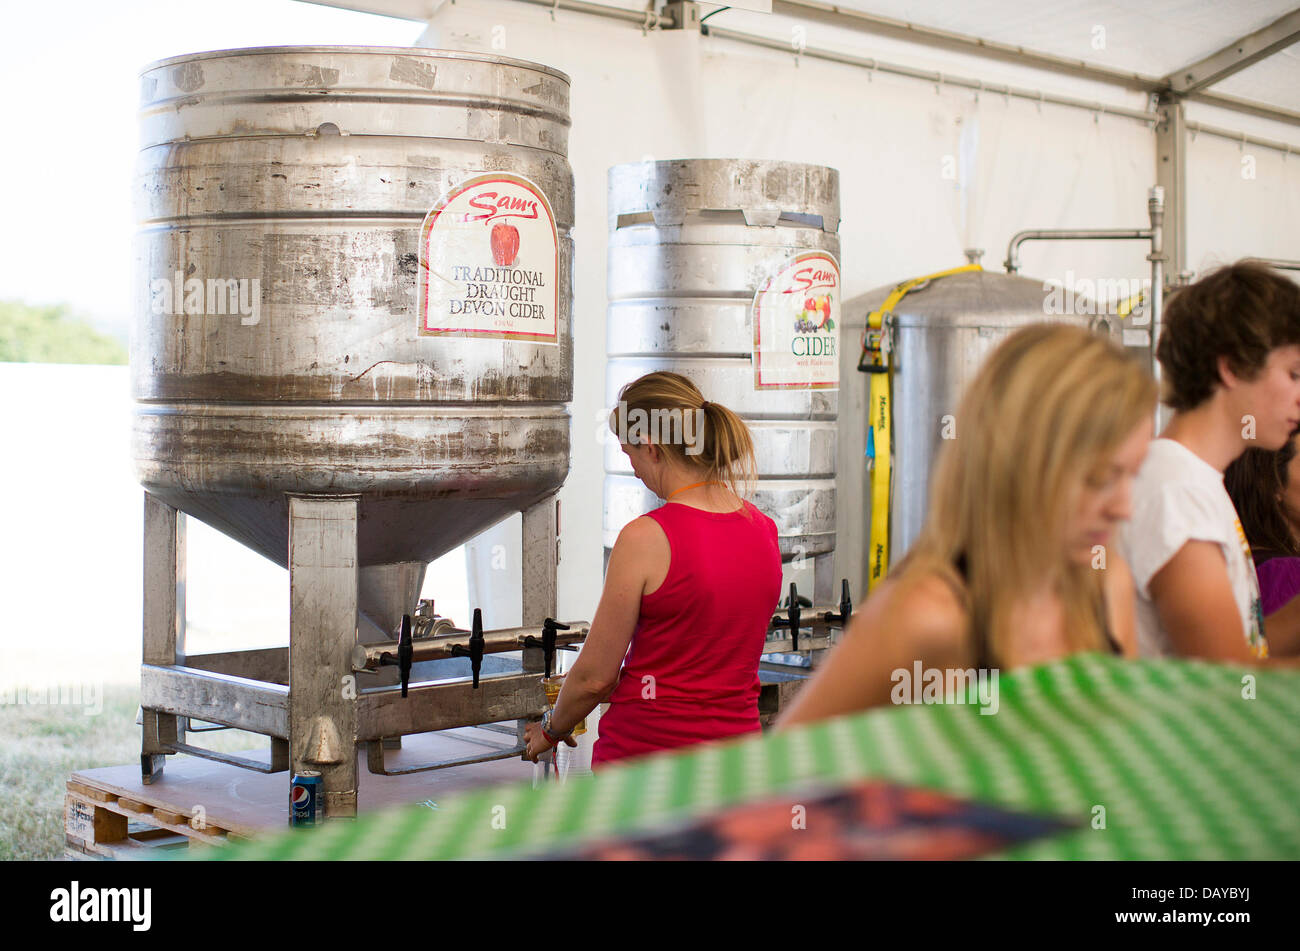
(695, 248)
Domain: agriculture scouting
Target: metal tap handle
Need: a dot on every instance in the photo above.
(793, 615)
(796, 606)
(475, 649)
(405, 652)
(549, 627)
(476, 645)
(794, 602)
(846, 607)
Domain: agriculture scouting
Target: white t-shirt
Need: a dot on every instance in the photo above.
(1179, 497)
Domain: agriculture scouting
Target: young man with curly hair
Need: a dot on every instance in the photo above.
(1230, 358)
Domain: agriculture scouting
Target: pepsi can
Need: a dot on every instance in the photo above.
(304, 798)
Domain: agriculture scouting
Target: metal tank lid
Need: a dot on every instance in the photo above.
(763, 189)
(400, 50)
(408, 92)
(967, 300)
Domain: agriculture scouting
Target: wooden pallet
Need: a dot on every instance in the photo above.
(110, 814)
(101, 823)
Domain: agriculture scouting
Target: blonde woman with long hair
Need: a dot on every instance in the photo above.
(1015, 564)
(689, 589)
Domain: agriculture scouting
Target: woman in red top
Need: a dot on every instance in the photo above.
(689, 589)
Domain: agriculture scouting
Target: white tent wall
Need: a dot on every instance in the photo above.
(925, 173)
(1243, 200)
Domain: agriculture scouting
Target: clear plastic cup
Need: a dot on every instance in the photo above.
(552, 687)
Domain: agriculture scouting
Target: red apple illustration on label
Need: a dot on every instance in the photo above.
(505, 244)
(824, 305)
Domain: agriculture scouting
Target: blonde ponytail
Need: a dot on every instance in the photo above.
(694, 432)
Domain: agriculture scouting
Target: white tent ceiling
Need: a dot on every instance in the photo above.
(1274, 81)
(1152, 40)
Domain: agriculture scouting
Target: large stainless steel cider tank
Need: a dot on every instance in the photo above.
(352, 353)
(309, 171)
(691, 244)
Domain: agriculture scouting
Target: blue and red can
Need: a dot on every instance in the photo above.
(304, 798)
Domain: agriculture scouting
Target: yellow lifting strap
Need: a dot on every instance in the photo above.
(1126, 308)
(880, 425)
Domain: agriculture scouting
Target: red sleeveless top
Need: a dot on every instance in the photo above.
(691, 670)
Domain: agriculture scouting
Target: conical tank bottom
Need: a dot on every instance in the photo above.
(385, 593)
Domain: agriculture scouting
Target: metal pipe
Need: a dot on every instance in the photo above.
(645, 19)
(1240, 53)
(782, 643)
(370, 656)
(1012, 263)
(1155, 234)
(1200, 128)
(938, 78)
(1156, 209)
(228, 759)
(433, 625)
(1281, 263)
(815, 631)
(858, 20)
(1246, 106)
(375, 760)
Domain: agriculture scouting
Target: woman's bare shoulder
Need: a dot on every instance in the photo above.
(921, 609)
(640, 531)
(640, 539)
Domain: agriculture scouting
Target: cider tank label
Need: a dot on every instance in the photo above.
(796, 315)
(489, 262)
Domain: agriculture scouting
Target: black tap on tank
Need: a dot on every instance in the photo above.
(846, 606)
(550, 627)
(475, 649)
(793, 616)
(405, 652)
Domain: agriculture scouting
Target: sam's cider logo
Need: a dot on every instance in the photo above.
(505, 237)
(795, 333)
(490, 262)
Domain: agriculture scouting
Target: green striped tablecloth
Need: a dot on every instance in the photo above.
(1184, 766)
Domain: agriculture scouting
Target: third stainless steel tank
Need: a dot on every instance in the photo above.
(940, 333)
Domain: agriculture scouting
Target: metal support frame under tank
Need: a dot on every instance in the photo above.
(310, 699)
